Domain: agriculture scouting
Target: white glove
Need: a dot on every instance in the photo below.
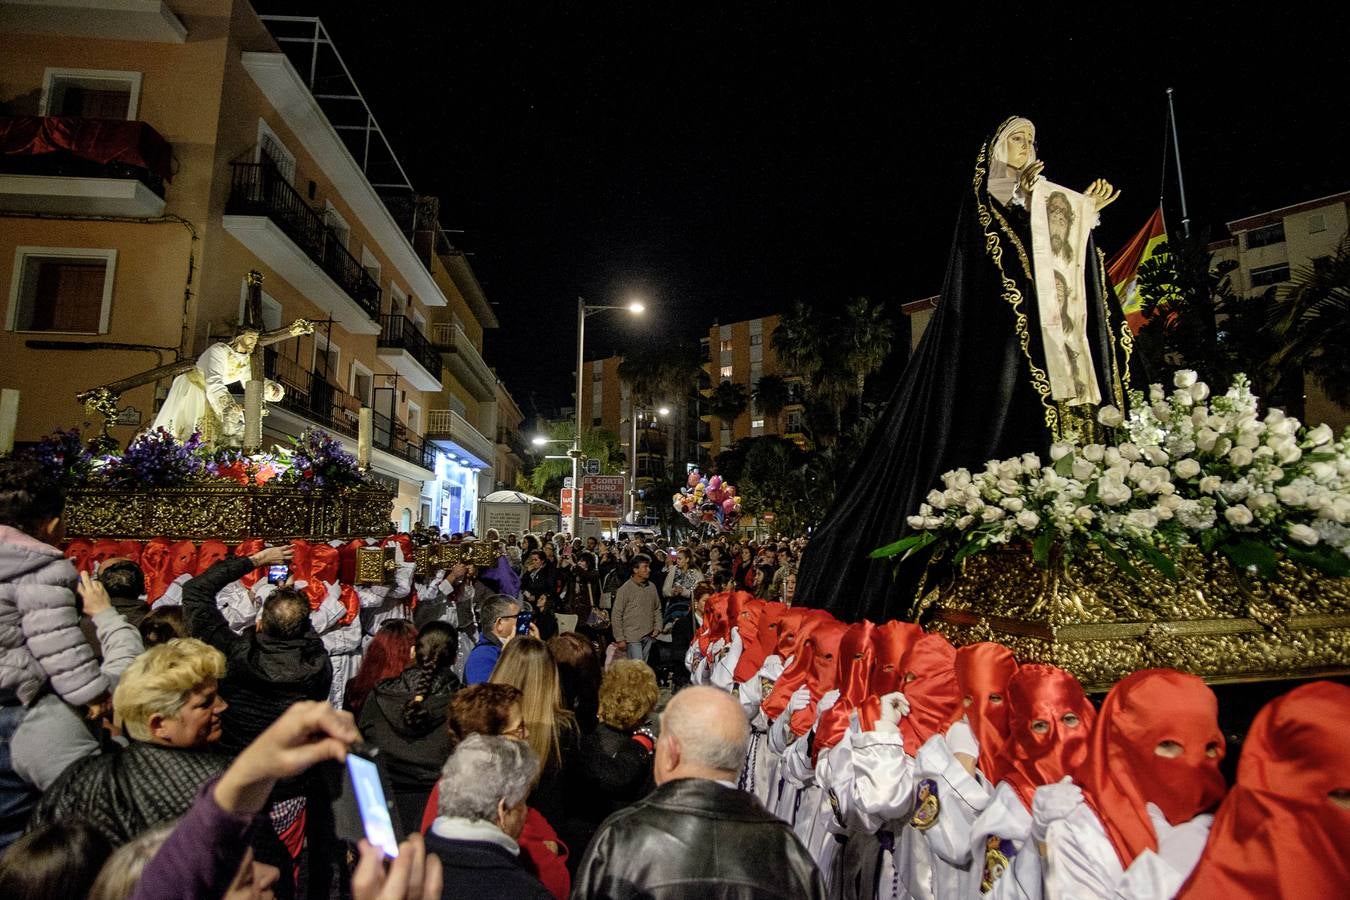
(893, 706)
(1052, 802)
(800, 699)
(1180, 847)
(829, 700)
(960, 739)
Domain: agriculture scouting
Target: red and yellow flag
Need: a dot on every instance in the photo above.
(1123, 268)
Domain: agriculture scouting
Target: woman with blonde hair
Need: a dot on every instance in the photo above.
(553, 734)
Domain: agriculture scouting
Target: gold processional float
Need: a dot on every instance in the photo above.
(233, 512)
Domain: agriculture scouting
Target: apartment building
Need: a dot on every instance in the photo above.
(1270, 248)
(655, 438)
(742, 353)
(511, 447)
(157, 152)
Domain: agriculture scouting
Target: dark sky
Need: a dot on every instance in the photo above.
(725, 160)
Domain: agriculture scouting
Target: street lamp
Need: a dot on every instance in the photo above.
(583, 310)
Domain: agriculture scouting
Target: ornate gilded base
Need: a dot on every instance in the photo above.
(1091, 619)
(228, 512)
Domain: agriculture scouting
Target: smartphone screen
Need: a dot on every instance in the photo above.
(375, 818)
(523, 622)
(278, 574)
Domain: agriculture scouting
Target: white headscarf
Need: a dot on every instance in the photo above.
(1002, 176)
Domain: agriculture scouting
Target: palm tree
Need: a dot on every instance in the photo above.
(660, 373)
(1315, 322)
(800, 341)
(728, 401)
(772, 393)
(869, 335)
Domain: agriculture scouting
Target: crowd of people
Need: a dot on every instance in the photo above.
(174, 723)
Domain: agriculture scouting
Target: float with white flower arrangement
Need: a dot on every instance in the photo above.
(1203, 536)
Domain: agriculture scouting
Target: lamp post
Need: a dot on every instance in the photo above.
(584, 310)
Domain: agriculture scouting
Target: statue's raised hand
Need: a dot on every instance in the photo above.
(1101, 193)
(1029, 177)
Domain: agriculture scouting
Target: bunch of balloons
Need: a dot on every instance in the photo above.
(708, 502)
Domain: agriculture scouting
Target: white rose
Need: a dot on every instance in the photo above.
(1163, 513)
(1130, 451)
(1275, 474)
(1340, 510)
(1171, 502)
(1162, 411)
(932, 522)
(1222, 446)
(1199, 392)
(1112, 492)
(1304, 534)
(1156, 455)
(1210, 483)
(1010, 468)
(1155, 393)
(1144, 519)
(1322, 471)
(915, 522)
(1059, 450)
(954, 497)
(1240, 457)
(1184, 378)
(971, 491)
(1282, 427)
(1111, 417)
(1249, 438)
(974, 507)
(1262, 501)
(1094, 453)
(1027, 520)
(1111, 456)
(1008, 486)
(1151, 483)
(1082, 469)
(1292, 495)
(1199, 417)
(1084, 514)
(1187, 468)
(991, 514)
(925, 510)
(937, 499)
(1031, 462)
(1238, 515)
(1183, 399)
(965, 522)
(1320, 435)
(1012, 504)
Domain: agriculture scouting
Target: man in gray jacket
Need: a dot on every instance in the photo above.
(636, 618)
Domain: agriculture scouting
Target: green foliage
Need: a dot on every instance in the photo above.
(729, 401)
(1314, 322)
(546, 478)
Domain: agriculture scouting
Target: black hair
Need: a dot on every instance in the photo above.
(162, 625)
(28, 498)
(641, 558)
(434, 653)
(285, 614)
(54, 862)
(123, 579)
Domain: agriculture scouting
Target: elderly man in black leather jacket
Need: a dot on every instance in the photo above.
(696, 835)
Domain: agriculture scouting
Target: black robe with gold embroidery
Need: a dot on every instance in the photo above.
(976, 389)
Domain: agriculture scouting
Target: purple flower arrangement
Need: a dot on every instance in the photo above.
(317, 461)
(156, 459)
(64, 459)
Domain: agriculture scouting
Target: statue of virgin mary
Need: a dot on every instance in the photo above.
(1027, 341)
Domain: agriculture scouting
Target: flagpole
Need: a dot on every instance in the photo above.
(1181, 182)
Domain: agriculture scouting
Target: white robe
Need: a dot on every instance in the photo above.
(759, 762)
(184, 409)
(1081, 861)
(1007, 820)
(882, 796)
(961, 799)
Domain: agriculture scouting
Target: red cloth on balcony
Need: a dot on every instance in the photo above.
(101, 141)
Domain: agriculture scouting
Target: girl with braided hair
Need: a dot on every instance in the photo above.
(405, 718)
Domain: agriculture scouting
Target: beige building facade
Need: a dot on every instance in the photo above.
(129, 249)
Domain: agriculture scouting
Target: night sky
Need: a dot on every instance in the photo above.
(725, 160)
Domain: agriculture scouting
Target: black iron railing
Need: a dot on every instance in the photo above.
(259, 189)
(402, 332)
(394, 437)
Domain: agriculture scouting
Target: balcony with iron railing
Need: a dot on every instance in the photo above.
(270, 217)
(457, 436)
(513, 442)
(314, 398)
(466, 364)
(406, 349)
(72, 165)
